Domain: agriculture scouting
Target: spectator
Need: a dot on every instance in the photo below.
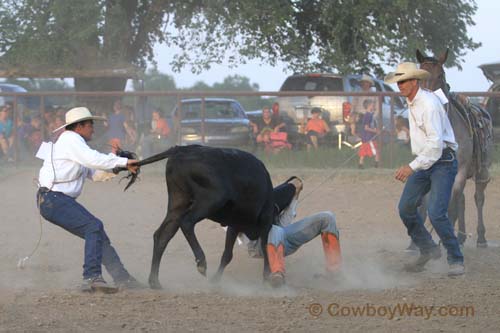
(159, 134)
(369, 146)
(56, 132)
(402, 131)
(130, 128)
(116, 132)
(355, 127)
(24, 130)
(35, 137)
(275, 108)
(316, 128)
(265, 125)
(6, 134)
(48, 120)
(366, 84)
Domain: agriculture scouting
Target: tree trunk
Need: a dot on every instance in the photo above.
(99, 104)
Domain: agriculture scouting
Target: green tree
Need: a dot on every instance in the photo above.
(327, 35)
(236, 83)
(154, 80)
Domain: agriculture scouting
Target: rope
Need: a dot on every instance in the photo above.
(22, 262)
(334, 172)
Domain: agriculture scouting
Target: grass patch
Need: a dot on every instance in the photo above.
(347, 159)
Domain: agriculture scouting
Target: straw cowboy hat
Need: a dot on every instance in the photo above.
(78, 114)
(366, 78)
(406, 71)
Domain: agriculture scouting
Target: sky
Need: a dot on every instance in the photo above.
(270, 78)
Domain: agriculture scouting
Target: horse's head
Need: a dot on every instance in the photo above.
(434, 66)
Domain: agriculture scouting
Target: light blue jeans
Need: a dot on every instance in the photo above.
(438, 180)
(294, 235)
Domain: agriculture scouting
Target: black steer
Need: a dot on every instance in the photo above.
(228, 186)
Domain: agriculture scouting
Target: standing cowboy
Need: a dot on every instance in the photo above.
(66, 166)
(433, 170)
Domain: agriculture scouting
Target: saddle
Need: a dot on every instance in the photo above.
(479, 124)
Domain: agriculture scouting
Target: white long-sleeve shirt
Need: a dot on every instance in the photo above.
(430, 129)
(73, 161)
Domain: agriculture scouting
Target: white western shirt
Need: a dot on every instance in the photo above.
(430, 129)
(73, 161)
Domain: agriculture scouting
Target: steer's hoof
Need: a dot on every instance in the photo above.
(215, 279)
(202, 269)
(482, 245)
(155, 285)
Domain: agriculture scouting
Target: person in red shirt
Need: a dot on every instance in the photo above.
(159, 134)
(315, 128)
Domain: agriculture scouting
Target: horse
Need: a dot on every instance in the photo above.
(473, 160)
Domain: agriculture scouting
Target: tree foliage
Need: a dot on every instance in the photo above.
(236, 83)
(324, 35)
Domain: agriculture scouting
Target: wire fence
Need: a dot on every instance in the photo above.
(34, 116)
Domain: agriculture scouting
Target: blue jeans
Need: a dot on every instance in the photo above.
(67, 213)
(438, 179)
(294, 235)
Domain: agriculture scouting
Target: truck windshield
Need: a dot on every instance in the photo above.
(308, 83)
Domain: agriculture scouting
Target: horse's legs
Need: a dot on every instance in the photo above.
(460, 208)
(479, 199)
(454, 209)
(227, 256)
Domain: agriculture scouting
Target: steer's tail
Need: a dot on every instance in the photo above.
(160, 156)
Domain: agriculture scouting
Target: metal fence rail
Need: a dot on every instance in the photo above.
(140, 101)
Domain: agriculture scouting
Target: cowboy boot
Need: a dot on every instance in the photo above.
(276, 256)
(331, 247)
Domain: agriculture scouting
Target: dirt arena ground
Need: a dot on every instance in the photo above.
(371, 294)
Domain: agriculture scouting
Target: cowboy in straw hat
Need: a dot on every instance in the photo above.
(67, 163)
(366, 78)
(76, 115)
(434, 169)
(406, 71)
(365, 83)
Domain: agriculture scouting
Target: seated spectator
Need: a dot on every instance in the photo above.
(35, 137)
(48, 120)
(158, 135)
(24, 130)
(355, 127)
(369, 146)
(265, 125)
(6, 134)
(58, 123)
(402, 131)
(315, 129)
